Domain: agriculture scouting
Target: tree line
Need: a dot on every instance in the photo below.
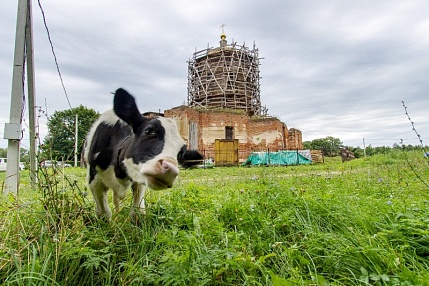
(331, 147)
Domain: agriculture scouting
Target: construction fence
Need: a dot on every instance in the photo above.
(237, 157)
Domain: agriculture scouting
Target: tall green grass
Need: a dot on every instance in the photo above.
(364, 222)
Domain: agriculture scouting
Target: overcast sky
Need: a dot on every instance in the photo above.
(329, 68)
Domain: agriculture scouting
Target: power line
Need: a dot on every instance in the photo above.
(53, 52)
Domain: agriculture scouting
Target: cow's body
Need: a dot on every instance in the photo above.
(124, 148)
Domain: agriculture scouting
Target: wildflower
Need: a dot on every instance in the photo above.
(397, 261)
(389, 202)
(277, 243)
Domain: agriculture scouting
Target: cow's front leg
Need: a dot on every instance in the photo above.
(138, 200)
(99, 192)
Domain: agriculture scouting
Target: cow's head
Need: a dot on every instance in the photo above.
(152, 153)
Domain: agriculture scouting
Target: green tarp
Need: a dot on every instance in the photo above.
(282, 158)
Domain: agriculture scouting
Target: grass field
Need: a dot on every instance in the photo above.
(364, 222)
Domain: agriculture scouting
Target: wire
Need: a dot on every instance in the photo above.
(412, 125)
(53, 52)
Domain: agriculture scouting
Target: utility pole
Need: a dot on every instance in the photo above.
(75, 141)
(31, 96)
(364, 148)
(12, 130)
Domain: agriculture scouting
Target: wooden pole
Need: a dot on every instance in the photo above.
(31, 96)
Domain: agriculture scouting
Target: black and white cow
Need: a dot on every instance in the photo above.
(123, 148)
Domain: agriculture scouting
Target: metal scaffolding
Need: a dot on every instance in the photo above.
(225, 77)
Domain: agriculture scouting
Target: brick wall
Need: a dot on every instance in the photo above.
(294, 139)
(253, 134)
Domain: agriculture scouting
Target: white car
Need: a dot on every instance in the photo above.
(3, 165)
(49, 163)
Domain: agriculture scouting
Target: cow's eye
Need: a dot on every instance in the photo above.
(150, 132)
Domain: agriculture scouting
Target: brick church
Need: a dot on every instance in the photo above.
(224, 109)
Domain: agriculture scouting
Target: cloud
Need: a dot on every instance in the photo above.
(328, 68)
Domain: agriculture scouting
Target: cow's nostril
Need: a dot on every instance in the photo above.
(169, 167)
(163, 164)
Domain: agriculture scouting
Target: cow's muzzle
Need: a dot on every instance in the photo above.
(165, 176)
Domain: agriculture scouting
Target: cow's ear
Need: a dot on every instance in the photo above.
(125, 108)
(189, 158)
